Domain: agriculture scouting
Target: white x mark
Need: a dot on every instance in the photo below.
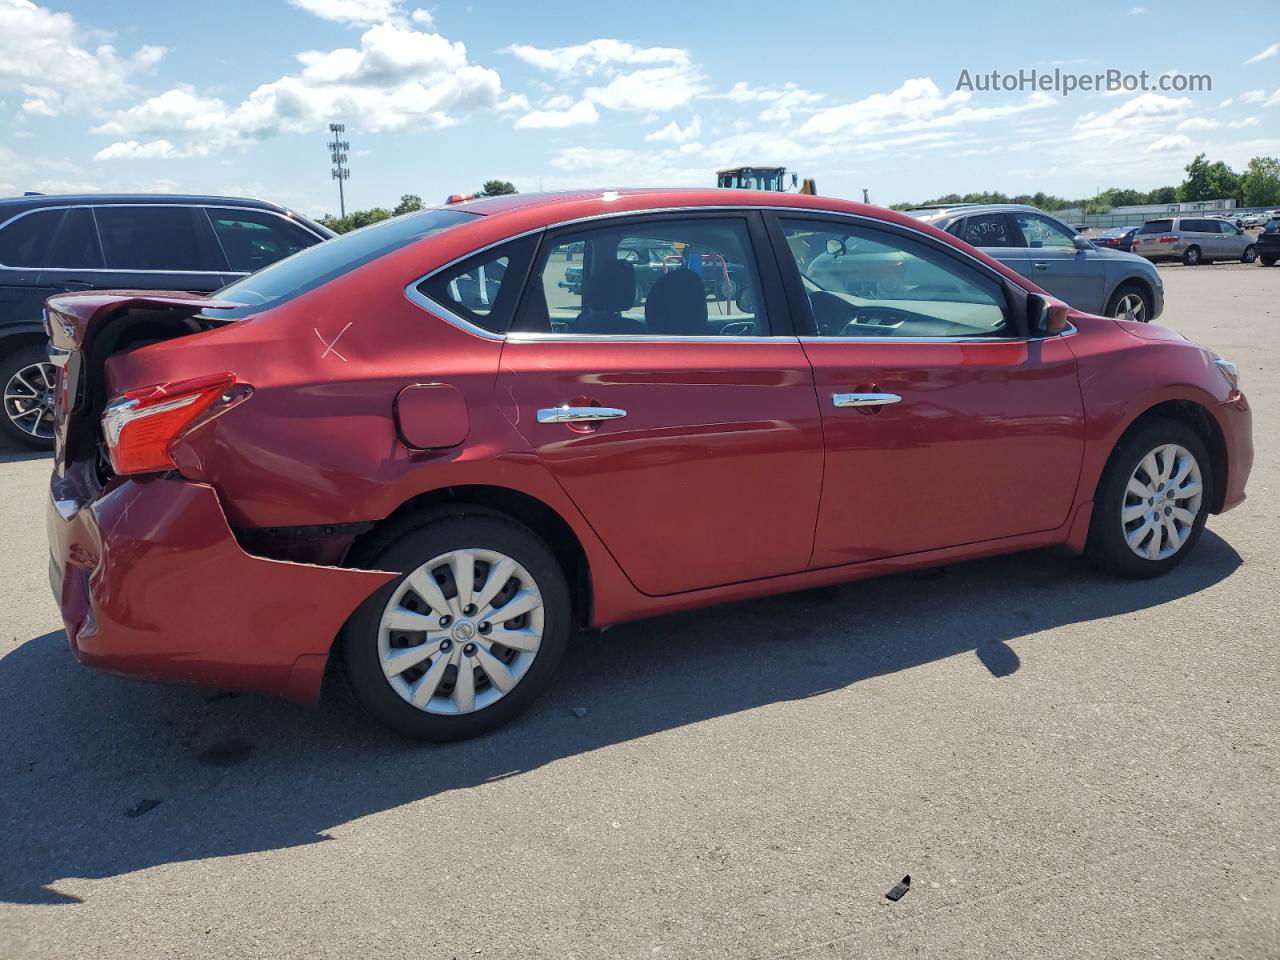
(329, 345)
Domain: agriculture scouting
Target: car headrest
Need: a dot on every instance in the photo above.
(611, 288)
(677, 304)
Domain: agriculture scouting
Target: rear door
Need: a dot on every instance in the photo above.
(1076, 276)
(943, 425)
(251, 239)
(690, 439)
(155, 247)
(26, 242)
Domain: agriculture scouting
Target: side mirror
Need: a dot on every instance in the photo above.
(1046, 317)
(835, 247)
(1083, 243)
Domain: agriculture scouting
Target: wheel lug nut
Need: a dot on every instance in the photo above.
(486, 627)
(446, 646)
(446, 620)
(469, 649)
(469, 610)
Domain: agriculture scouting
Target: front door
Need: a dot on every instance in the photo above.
(680, 417)
(943, 426)
(1075, 276)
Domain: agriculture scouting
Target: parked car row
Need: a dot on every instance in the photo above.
(49, 245)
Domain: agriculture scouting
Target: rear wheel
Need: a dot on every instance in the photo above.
(1268, 261)
(1152, 501)
(1191, 256)
(1130, 302)
(29, 380)
(471, 633)
(1250, 254)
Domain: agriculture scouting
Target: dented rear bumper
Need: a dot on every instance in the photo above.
(152, 583)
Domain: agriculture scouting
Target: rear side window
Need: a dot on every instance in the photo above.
(152, 238)
(989, 230)
(1157, 226)
(253, 239)
(24, 241)
(75, 246)
(294, 276)
(484, 289)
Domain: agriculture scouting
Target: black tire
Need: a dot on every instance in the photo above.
(1124, 290)
(404, 545)
(1191, 256)
(9, 366)
(1250, 254)
(1107, 548)
(1267, 261)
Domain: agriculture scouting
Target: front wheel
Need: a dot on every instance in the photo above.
(1129, 302)
(1152, 501)
(1250, 254)
(471, 633)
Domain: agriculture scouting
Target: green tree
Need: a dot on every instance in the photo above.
(355, 219)
(497, 188)
(1209, 181)
(1260, 184)
(1163, 195)
(408, 203)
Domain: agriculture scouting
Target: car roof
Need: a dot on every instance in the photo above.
(941, 212)
(33, 201)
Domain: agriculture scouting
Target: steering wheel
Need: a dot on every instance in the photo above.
(738, 328)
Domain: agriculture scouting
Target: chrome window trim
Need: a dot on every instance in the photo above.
(431, 306)
(202, 206)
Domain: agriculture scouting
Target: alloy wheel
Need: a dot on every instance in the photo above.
(1161, 502)
(28, 399)
(1131, 307)
(460, 631)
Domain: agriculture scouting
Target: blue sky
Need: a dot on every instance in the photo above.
(235, 96)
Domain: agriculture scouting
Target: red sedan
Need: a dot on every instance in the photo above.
(417, 454)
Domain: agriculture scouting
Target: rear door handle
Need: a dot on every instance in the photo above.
(1041, 265)
(568, 414)
(864, 399)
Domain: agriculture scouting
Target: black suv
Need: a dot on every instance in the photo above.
(1268, 243)
(140, 242)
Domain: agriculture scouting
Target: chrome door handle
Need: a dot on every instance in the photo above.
(567, 414)
(864, 399)
(1042, 265)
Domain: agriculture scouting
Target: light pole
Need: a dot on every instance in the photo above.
(340, 172)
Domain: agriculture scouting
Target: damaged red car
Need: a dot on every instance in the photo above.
(422, 456)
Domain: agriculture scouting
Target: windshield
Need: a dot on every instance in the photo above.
(1157, 226)
(325, 261)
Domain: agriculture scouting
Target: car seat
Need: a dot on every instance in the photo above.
(610, 289)
(677, 305)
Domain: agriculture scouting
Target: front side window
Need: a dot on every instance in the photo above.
(1039, 232)
(663, 278)
(989, 230)
(152, 238)
(863, 282)
(24, 240)
(253, 239)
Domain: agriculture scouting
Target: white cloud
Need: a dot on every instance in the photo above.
(356, 13)
(423, 18)
(1261, 96)
(133, 150)
(590, 57)
(916, 105)
(1166, 144)
(654, 89)
(1226, 103)
(1204, 123)
(674, 133)
(1266, 54)
(559, 103)
(515, 102)
(45, 57)
(582, 112)
(1127, 120)
(783, 101)
(1137, 11)
(398, 78)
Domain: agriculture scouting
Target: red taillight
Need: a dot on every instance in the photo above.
(1170, 238)
(141, 425)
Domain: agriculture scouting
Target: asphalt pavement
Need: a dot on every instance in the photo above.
(1066, 766)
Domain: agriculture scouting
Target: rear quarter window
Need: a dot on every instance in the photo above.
(1156, 226)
